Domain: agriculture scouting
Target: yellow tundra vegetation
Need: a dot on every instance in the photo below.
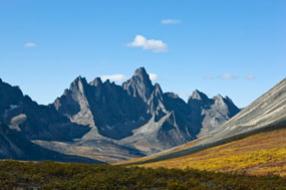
(259, 154)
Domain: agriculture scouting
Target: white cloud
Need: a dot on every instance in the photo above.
(225, 76)
(228, 76)
(170, 21)
(250, 77)
(153, 76)
(209, 77)
(148, 44)
(115, 77)
(30, 45)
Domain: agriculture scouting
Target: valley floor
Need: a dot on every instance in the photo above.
(50, 175)
(260, 154)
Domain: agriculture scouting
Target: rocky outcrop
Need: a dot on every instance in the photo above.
(140, 85)
(209, 113)
(15, 145)
(102, 104)
(35, 121)
(23, 120)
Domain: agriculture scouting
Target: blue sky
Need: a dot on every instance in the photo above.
(232, 47)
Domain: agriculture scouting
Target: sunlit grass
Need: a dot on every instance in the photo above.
(70, 176)
(260, 154)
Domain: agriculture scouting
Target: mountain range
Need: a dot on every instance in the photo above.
(104, 121)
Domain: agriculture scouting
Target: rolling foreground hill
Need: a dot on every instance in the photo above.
(48, 175)
(253, 141)
(260, 154)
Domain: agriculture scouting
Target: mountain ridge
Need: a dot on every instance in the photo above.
(133, 119)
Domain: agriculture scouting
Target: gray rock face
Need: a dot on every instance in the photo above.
(14, 145)
(103, 104)
(35, 121)
(140, 85)
(210, 113)
(22, 120)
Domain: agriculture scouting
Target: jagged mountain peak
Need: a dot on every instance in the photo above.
(156, 101)
(198, 95)
(139, 85)
(78, 80)
(228, 99)
(225, 104)
(142, 76)
(172, 95)
(141, 71)
(108, 81)
(157, 89)
(9, 95)
(222, 99)
(219, 99)
(96, 82)
(79, 84)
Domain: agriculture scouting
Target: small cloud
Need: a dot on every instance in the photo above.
(209, 77)
(250, 77)
(170, 21)
(228, 76)
(115, 77)
(148, 44)
(153, 76)
(30, 45)
(225, 76)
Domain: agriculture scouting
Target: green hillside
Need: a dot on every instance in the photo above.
(49, 175)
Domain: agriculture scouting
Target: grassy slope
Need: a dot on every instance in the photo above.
(259, 154)
(49, 175)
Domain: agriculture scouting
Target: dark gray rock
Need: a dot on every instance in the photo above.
(103, 104)
(208, 113)
(140, 85)
(15, 145)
